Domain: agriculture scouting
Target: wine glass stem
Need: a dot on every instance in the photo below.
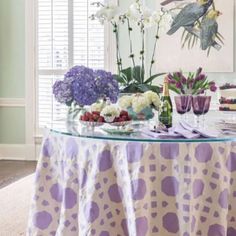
(185, 117)
(198, 122)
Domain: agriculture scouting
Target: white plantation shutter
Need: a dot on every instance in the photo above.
(65, 37)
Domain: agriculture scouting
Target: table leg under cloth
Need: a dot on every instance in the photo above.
(91, 187)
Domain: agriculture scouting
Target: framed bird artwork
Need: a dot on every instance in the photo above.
(201, 33)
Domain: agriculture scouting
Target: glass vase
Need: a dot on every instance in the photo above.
(145, 114)
(73, 112)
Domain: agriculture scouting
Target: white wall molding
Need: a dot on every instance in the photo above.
(17, 152)
(12, 102)
(30, 77)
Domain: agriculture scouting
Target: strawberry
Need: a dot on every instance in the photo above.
(96, 113)
(87, 113)
(91, 119)
(101, 119)
(95, 117)
(86, 118)
(116, 119)
(124, 113)
(120, 119)
(124, 117)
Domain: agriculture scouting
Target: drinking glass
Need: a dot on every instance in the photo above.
(201, 105)
(183, 104)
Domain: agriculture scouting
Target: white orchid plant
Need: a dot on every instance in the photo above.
(134, 78)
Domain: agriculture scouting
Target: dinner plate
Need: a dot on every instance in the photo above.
(226, 125)
(119, 131)
(120, 124)
(91, 123)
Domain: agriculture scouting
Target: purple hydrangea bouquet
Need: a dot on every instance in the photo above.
(83, 86)
(193, 84)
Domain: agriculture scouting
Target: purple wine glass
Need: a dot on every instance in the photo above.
(201, 105)
(183, 103)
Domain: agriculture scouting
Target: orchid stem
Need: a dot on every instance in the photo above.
(142, 54)
(154, 51)
(130, 43)
(155, 44)
(118, 57)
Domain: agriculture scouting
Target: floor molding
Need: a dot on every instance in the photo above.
(17, 152)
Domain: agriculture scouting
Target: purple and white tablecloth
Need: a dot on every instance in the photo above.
(91, 187)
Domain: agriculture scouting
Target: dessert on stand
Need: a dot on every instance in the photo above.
(228, 97)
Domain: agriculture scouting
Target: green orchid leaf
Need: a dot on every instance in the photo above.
(153, 77)
(127, 73)
(120, 79)
(155, 89)
(138, 74)
(132, 88)
(145, 87)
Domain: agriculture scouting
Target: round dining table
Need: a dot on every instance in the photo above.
(89, 183)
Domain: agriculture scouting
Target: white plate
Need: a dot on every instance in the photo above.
(119, 131)
(120, 124)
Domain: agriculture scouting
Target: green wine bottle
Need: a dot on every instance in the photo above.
(166, 109)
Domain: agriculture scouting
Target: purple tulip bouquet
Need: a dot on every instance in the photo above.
(83, 86)
(193, 84)
(191, 91)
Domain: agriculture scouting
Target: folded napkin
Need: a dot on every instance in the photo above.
(160, 134)
(182, 129)
(184, 132)
(206, 133)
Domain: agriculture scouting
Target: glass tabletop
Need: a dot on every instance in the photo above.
(75, 128)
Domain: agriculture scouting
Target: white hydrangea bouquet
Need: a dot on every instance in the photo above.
(138, 18)
(140, 105)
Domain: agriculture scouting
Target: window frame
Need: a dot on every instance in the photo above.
(33, 132)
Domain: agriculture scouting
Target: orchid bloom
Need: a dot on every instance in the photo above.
(134, 12)
(108, 11)
(147, 16)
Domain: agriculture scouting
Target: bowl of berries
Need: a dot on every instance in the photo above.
(92, 119)
(122, 119)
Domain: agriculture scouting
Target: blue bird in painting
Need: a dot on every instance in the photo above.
(189, 15)
(209, 29)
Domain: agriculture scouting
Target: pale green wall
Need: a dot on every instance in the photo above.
(12, 48)
(12, 125)
(12, 69)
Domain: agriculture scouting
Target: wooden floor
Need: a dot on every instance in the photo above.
(11, 171)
